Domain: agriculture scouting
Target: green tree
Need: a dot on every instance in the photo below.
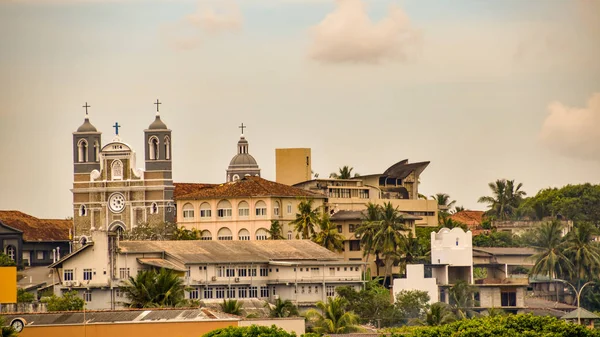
(24, 297)
(388, 235)
(328, 235)
(438, 314)
(283, 309)
(146, 231)
(332, 317)
(306, 218)
(410, 251)
(506, 198)
(6, 261)
(412, 304)
(276, 230)
(371, 304)
(366, 231)
(151, 288)
(344, 172)
(69, 301)
(232, 307)
(186, 234)
(580, 248)
(250, 331)
(574, 202)
(550, 259)
(6, 330)
(461, 299)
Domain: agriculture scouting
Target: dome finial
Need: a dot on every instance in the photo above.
(157, 107)
(86, 106)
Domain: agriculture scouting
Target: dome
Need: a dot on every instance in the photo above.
(87, 126)
(243, 159)
(157, 124)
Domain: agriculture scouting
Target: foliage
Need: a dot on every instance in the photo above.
(305, 221)
(283, 309)
(6, 261)
(497, 239)
(186, 234)
(388, 233)
(344, 172)
(24, 297)
(232, 307)
(151, 288)
(479, 272)
(520, 270)
(412, 304)
(6, 330)
(332, 317)
(69, 301)
(328, 235)
(550, 259)
(580, 248)
(444, 205)
(461, 299)
(505, 200)
(250, 331)
(156, 232)
(366, 231)
(444, 220)
(507, 326)
(438, 314)
(371, 304)
(574, 202)
(276, 230)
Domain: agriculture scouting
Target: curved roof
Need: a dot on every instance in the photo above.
(402, 169)
(243, 159)
(87, 126)
(158, 124)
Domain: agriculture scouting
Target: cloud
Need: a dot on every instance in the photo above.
(573, 132)
(348, 35)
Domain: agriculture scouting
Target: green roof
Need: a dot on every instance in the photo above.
(584, 314)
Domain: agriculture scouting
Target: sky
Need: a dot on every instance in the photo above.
(484, 90)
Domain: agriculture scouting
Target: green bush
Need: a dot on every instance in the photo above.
(70, 301)
(250, 331)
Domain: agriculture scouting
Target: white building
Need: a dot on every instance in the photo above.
(416, 280)
(298, 270)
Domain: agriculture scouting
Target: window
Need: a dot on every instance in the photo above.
(252, 271)
(289, 208)
(231, 292)
(331, 271)
(508, 298)
(206, 235)
(96, 151)
(87, 274)
(224, 209)
(87, 295)
(224, 234)
(253, 292)
(242, 272)
(264, 291)
(230, 272)
(363, 194)
(302, 288)
(123, 273)
(68, 275)
(220, 292)
(194, 294)
(276, 208)
(40, 255)
(11, 251)
(153, 148)
(243, 209)
(205, 211)
(354, 245)
(340, 228)
(352, 228)
(118, 292)
(82, 210)
(117, 170)
(330, 291)
(167, 148)
(289, 235)
(242, 292)
(316, 289)
(220, 271)
(208, 292)
(273, 291)
(457, 241)
(82, 152)
(244, 235)
(314, 271)
(188, 212)
(262, 234)
(264, 271)
(260, 208)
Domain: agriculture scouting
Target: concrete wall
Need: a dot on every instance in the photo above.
(295, 324)
(292, 165)
(415, 280)
(452, 246)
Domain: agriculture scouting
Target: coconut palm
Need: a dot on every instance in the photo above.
(344, 172)
(443, 201)
(232, 307)
(306, 218)
(6, 330)
(411, 251)
(550, 259)
(584, 253)
(332, 317)
(276, 230)
(154, 289)
(506, 198)
(388, 234)
(438, 314)
(366, 231)
(461, 299)
(283, 309)
(328, 235)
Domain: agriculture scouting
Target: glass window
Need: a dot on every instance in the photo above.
(87, 295)
(124, 273)
(194, 294)
(87, 274)
(188, 211)
(208, 292)
(68, 275)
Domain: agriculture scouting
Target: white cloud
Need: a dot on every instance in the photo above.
(573, 131)
(226, 18)
(349, 35)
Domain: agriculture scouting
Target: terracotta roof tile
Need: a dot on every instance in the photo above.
(472, 219)
(35, 229)
(247, 187)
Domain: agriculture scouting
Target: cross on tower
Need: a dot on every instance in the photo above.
(86, 106)
(117, 126)
(242, 127)
(157, 104)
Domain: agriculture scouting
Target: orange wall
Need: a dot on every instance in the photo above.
(8, 284)
(162, 329)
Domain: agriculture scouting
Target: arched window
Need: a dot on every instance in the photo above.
(82, 151)
(236, 177)
(82, 210)
(11, 251)
(206, 235)
(262, 234)
(244, 235)
(96, 151)
(276, 208)
(224, 234)
(261, 209)
(289, 235)
(118, 228)
(154, 208)
(188, 212)
(243, 209)
(153, 148)
(224, 209)
(117, 170)
(205, 211)
(289, 208)
(167, 148)
(457, 241)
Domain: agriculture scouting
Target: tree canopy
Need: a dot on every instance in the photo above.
(69, 301)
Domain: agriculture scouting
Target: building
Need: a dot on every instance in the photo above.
(30, 241)
(109, 191)
(296, 270)
(472, 219)
(240, 210)
(519, 227)
(292, 166)
(242, 164)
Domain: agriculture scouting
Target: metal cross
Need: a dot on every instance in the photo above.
(86, 106)
(242, 127)
(117, 126)
(157, 104)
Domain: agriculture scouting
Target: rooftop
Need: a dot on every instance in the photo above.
(523, 251)
(581, 313)
(356, 215)
(469, 218)
(35, 229)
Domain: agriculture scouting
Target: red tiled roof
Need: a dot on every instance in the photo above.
(247, 187)
(35, 229)
(470, 218)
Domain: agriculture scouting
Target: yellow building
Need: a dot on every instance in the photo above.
(292, 165)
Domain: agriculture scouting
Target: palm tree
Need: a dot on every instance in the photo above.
(276, 230)
(333, 317)
(438, 314)
(461, 299)
(306, 218)
(580, 248)
(6, 330)
(457, 209)
(506, 198)
(549, 260)
(443, 201)
(283, 309)
(232, 307)
(344, 172)
(154, 289)
(388, 234)
(411, 251)
(328, 235)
